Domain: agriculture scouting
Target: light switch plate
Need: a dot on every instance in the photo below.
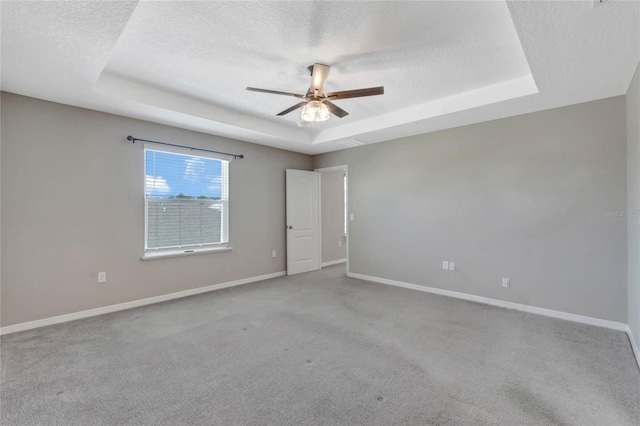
(452, 266)
(506, 282)
(445, 265)
(102, 277)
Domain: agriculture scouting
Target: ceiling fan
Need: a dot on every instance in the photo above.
(317, 105)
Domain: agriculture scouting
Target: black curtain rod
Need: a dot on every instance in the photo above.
(132, 139)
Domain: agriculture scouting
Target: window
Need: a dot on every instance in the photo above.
(186, 202)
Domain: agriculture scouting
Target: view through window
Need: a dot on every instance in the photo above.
(186, 200)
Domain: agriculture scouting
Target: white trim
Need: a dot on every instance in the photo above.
(634, 345)
(333, 262)
(319, 219)
(133, 304)
(501, 303)
(153, 255)
(347, 219)
(158, 253)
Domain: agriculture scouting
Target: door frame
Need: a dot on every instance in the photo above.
(345, 169)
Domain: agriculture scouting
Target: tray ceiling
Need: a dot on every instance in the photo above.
(443, 64)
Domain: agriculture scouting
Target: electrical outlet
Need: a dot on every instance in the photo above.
(273, 253)
(445, 265)
(506, 282)
(452, 266)
(102, 277)
(351, 217)
(339, 243)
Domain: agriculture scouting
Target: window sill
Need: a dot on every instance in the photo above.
(180, 253)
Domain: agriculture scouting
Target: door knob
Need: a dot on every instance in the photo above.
(290, 227)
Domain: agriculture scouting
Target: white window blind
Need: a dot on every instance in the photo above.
(186, 201)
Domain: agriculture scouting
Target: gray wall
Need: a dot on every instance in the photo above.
(633, 203)
(72, 205)
(1, 93)
(332, 217)
(524, 197)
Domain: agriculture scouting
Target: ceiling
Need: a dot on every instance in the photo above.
(443, 64)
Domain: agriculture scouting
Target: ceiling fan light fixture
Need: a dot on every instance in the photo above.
(314, 112)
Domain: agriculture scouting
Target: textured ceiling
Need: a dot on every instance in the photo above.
(422, 51)
(443, 64)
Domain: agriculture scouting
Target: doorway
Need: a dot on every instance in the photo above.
(334, 223)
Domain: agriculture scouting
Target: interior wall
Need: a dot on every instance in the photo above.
(0, 207)
(72, 205)
(332, 216)
(535, 198)
(633, 204)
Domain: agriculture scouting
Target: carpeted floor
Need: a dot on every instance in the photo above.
(319, 349)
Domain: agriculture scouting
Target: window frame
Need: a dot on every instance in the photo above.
(188, 249)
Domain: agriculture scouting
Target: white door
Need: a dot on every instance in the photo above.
(303, 221)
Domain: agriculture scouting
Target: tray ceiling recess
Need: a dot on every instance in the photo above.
(442, 64)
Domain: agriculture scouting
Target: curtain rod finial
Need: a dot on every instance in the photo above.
(131, 138)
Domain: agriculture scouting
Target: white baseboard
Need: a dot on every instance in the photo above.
(634, 346)
(133, 304)
(501, 303)
(333, 262)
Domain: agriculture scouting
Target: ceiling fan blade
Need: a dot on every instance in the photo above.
(336, 110)
(293, 108)
(274, 92)
(319, 78)
(358, 93)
